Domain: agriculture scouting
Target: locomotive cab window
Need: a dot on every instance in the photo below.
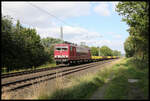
(64, 49)
(58, 49)
(61, 48)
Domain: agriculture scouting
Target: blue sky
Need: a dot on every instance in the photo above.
(95, 23)
(106, 25)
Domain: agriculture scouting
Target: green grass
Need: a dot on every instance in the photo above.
(39, 67)
(47, 65)
(118, 88)
(82, 87)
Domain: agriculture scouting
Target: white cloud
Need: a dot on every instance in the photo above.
(32, 16)
(48, 26)
(72, 34)
(102, 9)
(77, 34)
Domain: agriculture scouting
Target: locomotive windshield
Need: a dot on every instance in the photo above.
(61, 48)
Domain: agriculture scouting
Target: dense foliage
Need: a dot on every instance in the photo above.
(104, 51)
(48, 44)
(136, 15)
(21, 47)
(94, 51)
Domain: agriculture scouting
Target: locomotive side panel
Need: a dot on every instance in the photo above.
(72, 53)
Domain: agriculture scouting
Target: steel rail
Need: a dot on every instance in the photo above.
(31, 71)
(65, 72)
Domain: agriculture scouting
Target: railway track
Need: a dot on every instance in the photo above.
(27, 72)
(19, 84)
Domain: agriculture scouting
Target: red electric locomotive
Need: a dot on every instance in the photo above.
(67, 53)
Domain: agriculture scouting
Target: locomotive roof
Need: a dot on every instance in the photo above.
(75, 45)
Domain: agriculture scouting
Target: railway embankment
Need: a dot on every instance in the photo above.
(122, 79)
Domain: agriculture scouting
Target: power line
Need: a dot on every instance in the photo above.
(49, 13)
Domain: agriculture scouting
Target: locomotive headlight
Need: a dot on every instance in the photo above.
(61, 56)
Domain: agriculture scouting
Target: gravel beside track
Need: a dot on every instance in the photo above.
(27, 72)
(19, 82)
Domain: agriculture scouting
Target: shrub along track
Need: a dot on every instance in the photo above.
(14, 84)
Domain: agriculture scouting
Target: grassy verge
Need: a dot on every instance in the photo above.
(81, 87)
(118, 88)
(39, 67)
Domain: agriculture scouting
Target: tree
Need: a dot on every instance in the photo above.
(21, 47)
(129, 47)
(94, 51)
(6, 40)
(136, 15)
(48, 44)
(116, 53)
(106, 51)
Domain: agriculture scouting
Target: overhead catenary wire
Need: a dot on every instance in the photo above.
(54, 16)
(50, 14)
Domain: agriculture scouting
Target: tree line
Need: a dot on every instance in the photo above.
(136, 15)
(24, 48)
(104, 51)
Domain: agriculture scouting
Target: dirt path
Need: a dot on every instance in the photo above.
(99, 94)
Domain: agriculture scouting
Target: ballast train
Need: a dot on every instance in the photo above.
(68, 53)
